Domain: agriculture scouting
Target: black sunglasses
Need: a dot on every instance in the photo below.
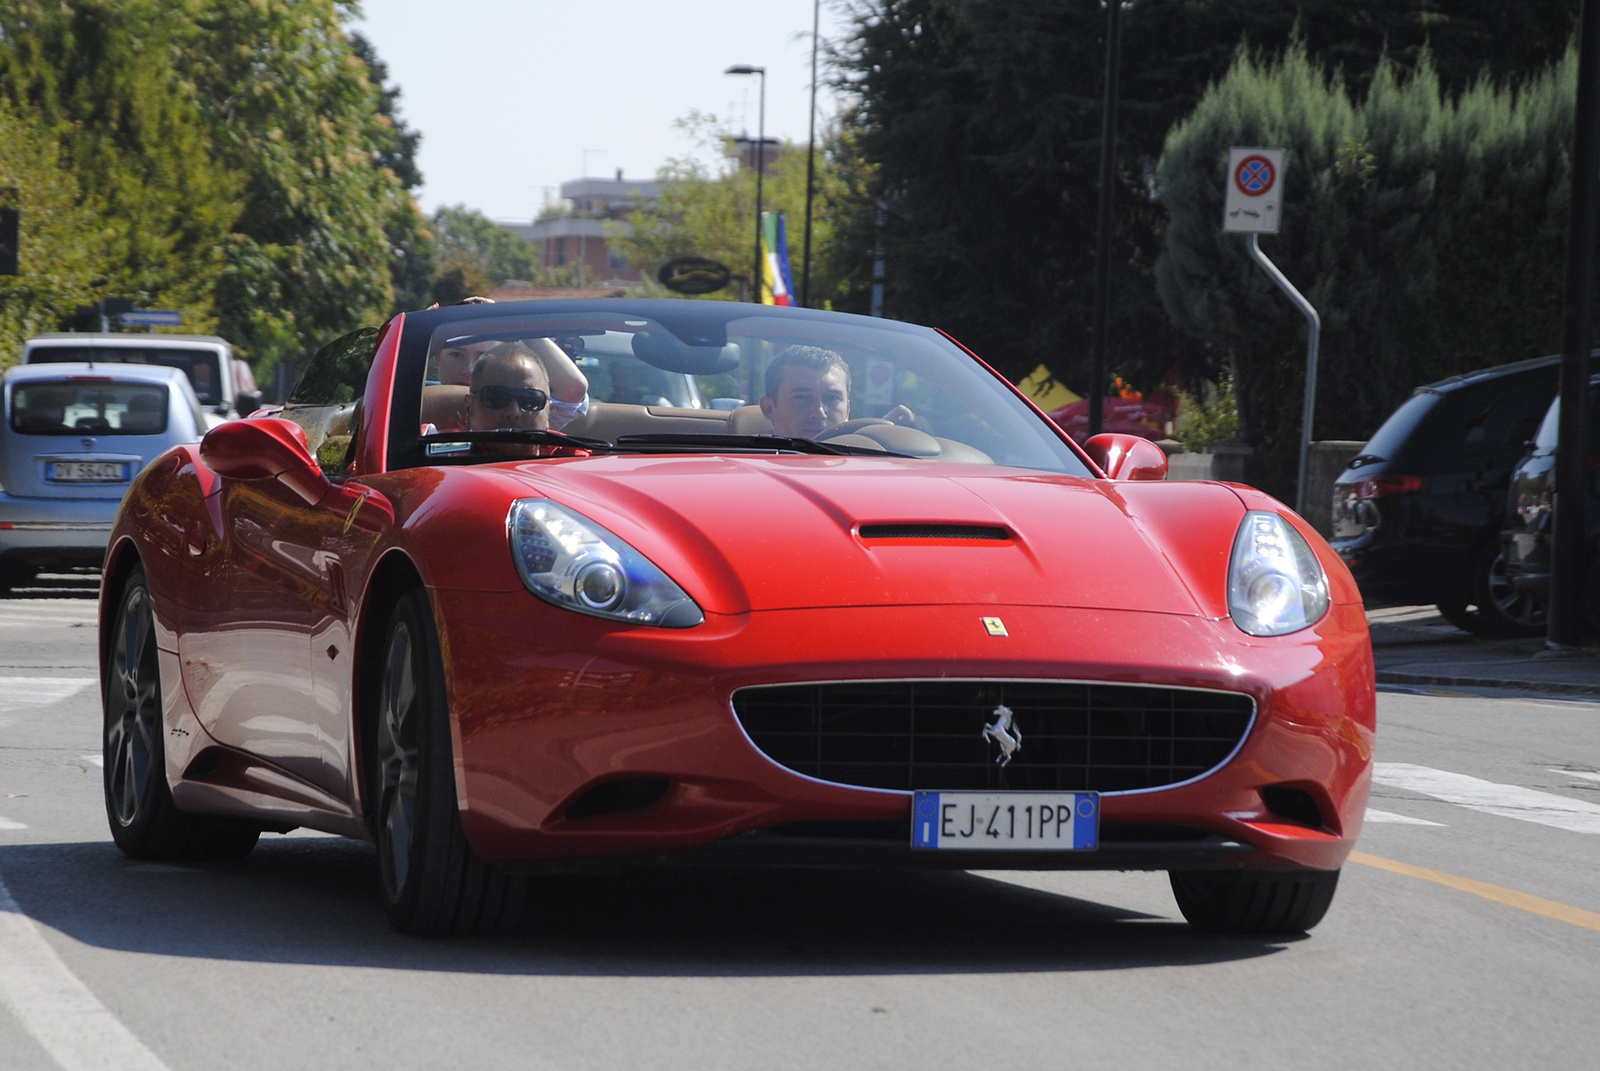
(528, 399)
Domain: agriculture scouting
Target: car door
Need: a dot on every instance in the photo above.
(259, 668)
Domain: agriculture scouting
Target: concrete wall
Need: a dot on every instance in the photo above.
(1226, 462)
(1327, 459)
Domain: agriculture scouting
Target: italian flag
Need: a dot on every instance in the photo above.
(777, 285)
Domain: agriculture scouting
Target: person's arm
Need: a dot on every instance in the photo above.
(566, 381)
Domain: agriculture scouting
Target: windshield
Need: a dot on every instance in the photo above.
(719, 382)
(88, 406)
(200, 365)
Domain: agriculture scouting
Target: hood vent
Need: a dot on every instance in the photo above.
(991, 532)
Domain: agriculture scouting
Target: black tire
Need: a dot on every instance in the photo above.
(145, 823)
(431, 880)
(1488, 605)
(13, 575)
(1258, 903)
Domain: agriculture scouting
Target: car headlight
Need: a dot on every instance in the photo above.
(567, 559)
(1275, 583)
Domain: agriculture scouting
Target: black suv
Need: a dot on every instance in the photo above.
(1526, 542)
(1417, 514)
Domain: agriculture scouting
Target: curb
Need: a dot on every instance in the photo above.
(1552, 687)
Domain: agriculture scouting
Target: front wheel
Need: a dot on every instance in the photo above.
(1261, 903)
(145, 823)
(432, 881)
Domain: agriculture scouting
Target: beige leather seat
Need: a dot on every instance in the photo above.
(749, 420)
(444, 405)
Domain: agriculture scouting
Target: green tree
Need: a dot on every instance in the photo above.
(481, 251)
(1428, 230)
(412, 266)
(58, 258)
(710, 212)
(103, 75)
(982, 121)
(292, 110)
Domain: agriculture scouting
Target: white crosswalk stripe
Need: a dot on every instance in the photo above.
(22, 693)
(1489, 797)
(1390, 818)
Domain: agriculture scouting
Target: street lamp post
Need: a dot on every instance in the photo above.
(761, 145)
(1101, 313)
(811, 156)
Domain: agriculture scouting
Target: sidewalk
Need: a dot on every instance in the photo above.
(1413, 645)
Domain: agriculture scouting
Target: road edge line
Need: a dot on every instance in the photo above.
(1536, 905)
(53, 1005)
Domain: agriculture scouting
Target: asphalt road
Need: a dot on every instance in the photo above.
(1468, 935)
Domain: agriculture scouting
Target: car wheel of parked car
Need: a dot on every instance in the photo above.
(145, 823)
(1236, 902)
(14, 576)
(1503, 610)
(432, 881)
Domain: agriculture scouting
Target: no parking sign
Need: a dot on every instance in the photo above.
(1254, 191)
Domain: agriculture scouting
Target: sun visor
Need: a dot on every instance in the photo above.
(670, 354)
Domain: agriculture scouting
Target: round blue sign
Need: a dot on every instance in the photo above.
(1254, 176)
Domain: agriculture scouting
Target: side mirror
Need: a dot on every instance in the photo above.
(265, 449)
(1127, 457)
(246, 402)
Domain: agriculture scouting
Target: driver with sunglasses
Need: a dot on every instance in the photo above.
(511, 389)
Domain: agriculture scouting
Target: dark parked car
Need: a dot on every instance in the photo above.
(1417, 514)
(1526, 543)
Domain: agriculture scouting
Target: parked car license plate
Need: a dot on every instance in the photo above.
(1014, 821)
(88, 471)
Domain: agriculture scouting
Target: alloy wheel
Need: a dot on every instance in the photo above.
(133, 717)
(398, 755)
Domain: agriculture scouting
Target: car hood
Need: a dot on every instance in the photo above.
(781, 532)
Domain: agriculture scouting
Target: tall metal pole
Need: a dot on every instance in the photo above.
(1566, 540)
(811, 157)
(761, 165)
(1102, 246)
(1313, 335)
(761, 169)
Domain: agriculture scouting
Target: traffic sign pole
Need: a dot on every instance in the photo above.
(1313, 334)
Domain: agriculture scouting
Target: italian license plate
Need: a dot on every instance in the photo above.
(88, 471)
(1013, 821)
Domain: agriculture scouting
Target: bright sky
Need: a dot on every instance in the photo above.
(514, 97)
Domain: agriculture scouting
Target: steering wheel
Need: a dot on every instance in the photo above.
(849, 427)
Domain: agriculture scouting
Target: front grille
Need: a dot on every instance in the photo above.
(1076, 736)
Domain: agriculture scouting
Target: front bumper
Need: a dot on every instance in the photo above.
(548, 705)
(44, 532)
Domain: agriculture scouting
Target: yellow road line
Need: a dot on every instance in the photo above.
(1536, 905)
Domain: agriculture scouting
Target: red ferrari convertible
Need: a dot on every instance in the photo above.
(884, 615)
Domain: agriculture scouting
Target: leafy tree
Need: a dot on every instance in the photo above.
(411, 253)
(982, 121)
(481, 251)
(711, 212)
(102, 75)
(291, 109)
(1428, 230)
(58, 256)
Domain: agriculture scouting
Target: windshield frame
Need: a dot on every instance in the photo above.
(702, 325)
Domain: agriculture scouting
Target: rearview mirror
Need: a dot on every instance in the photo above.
(1127, 457)
(266, 449)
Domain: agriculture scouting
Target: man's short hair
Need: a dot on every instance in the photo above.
(811, 357)
(505, 353)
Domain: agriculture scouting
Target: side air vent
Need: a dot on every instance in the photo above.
(935, 531)
(614, 797)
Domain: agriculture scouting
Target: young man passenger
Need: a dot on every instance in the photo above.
(808, 392)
